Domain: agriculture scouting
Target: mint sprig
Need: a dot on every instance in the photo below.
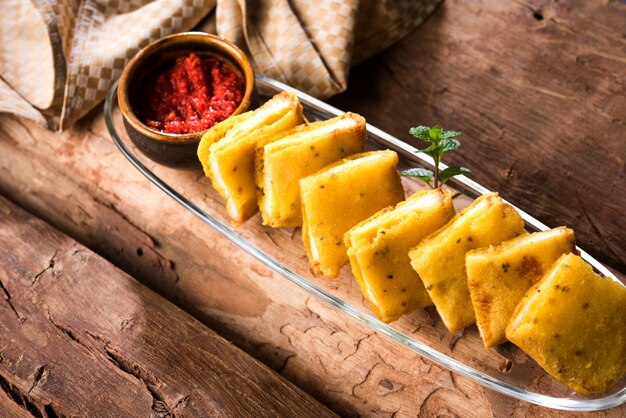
(441, 142)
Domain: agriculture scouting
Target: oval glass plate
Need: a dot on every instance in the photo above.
(505, 369)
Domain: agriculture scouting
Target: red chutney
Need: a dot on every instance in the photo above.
(192, 96)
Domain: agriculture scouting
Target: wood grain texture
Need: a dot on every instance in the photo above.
(538, 87)
(80, 338)
(79, 182)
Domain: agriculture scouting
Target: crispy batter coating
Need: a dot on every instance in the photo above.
(338, 197)
(440, 258)
(378, 249)
(231, 151)
(498, 276)
(573, 323)
(302, 152)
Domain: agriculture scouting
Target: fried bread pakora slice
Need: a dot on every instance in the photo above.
(338, 197)
(230, 159)
(440, 258)
(216, 133)
(498, 276)
(303, 151)
(378, 249)
(573, 323)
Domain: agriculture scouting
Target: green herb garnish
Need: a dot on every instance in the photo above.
(441, 142)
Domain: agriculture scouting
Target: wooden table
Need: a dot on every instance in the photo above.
(81, 338)
(537, 87)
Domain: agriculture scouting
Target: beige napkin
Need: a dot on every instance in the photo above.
(58, 58)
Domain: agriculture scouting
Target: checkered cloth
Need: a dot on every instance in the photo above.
(58, 58)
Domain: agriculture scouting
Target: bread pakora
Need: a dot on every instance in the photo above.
(378, 249)
(338, 197)
(303, 151)
(498, 276)
(216, 133)
(440, 258)
(573, 323)
(231, 151)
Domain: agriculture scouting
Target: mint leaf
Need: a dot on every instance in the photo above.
(423, 174)
(451, 172)
(421, 132)
(432, 150)
(450, 134)
(448, 144)
(435, 133)
(441, 142)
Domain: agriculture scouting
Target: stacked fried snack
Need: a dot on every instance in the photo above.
(499, 276)
(379, 252)
(227, 152)
(351, 189)
(303, 151)
(440, 258)
(478, 266)
(573, 323)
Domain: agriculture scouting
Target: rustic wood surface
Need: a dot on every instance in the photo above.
(79, 182)
(80, 337)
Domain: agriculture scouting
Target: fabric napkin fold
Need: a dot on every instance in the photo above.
(58, 58)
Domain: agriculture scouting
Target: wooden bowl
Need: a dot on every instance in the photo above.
(175, 150)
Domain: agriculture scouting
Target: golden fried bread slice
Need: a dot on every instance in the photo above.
(378, 249)
(338, 197)
(303, 151)
(498, 276)
(216, 133)
(573, 323)
(440, 258)
(231, 159)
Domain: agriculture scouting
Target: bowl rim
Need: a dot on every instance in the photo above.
(224, 47)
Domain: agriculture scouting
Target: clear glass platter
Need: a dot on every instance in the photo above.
(506, 369)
